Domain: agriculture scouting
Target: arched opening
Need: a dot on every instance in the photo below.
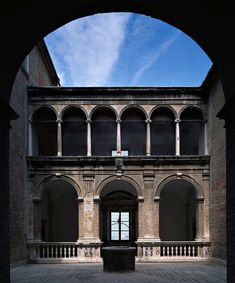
(103, 132)
(163, 132)
(133, 132)
(118, 217)
(192, 132)
(44, 132)
(178, 211)
(74, 132)
(59, 213)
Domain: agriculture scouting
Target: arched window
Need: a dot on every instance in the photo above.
(44, 132)
(178, 211)
(59, 212)
(103, 132)
(133, 132)
(163, 132)
(74, 132)
(192, 132)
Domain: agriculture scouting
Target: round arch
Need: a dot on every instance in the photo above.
(168, 107)
(197, 108)
(68, 107)
(130, 107)
(40, 188)
(108, 180)
(193, 182)
(31, 116)
(100, 107)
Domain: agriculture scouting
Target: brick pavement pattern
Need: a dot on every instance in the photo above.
(147, 273)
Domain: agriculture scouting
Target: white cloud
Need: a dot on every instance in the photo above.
(85, 51)
(154, 55)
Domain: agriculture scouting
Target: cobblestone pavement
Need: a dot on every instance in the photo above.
(144, 273)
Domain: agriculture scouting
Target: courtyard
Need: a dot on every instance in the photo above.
(196, 272)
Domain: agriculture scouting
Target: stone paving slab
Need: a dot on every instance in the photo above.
(144, 273)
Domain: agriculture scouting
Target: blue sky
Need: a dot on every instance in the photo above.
(125, 49)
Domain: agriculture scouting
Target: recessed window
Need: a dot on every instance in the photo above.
(120, 226)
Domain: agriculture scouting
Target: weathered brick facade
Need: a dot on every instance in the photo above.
(38, 70)
(217, 151)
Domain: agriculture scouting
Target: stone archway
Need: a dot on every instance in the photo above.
(56, 212)
(212, 30)
(177, 211)
(118, 213)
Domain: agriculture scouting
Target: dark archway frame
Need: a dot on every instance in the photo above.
(209, 23)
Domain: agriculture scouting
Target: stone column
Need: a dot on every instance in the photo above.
(6, 114)
(199, 220)
(148, 138)
(37, 219)
(30, 139)
(59, 138)
(88, 137)
(119, 137)
(156, 222)
(205, 139)
(177, 137)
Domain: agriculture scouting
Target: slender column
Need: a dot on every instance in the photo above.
(199, 220)
(59, 138)
(30, 140)
(148, 138)
(177, 137)
(88, 137)
(118, 137)
(205, 138)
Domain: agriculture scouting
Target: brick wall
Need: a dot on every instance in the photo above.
(37, 75)
(216, 144)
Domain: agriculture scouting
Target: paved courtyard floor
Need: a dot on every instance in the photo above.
(144, 273)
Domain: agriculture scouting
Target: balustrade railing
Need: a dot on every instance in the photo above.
(173, 250)
(62, 252)
(146, 251)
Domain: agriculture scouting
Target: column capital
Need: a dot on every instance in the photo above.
(177, 120)
(118, 121)
(59, 121)
(88, 121)
(148, 121)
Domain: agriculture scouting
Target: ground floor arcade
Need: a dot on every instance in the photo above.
(162, 212)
